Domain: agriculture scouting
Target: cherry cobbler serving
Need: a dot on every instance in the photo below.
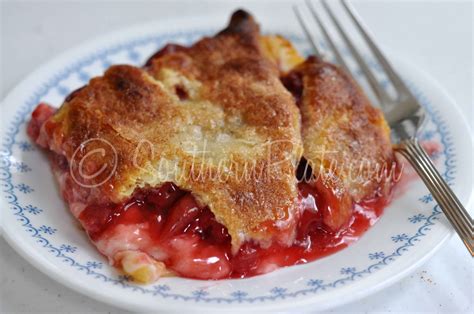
(226, 159)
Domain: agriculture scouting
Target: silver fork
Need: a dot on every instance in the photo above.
(403, 113)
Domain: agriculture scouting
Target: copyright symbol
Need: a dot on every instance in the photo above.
(93, 163)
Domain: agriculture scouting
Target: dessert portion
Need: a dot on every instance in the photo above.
(205, 162)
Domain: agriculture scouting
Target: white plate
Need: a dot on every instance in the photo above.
(38, 225)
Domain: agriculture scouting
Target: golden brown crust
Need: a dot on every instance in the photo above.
(342, 131)
(215, 108)
(281, 52)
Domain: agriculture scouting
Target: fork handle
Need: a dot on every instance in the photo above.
(442, 193)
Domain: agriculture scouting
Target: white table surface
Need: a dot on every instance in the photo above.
(435, 35)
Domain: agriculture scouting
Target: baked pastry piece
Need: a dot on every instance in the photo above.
(188, 165)
(203, 118)
(346, 141)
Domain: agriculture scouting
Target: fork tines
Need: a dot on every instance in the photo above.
(382, 95)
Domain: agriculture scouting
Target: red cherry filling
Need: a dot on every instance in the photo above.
(38, 117)
(198, 246)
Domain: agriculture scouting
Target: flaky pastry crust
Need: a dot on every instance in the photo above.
(212, 118)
